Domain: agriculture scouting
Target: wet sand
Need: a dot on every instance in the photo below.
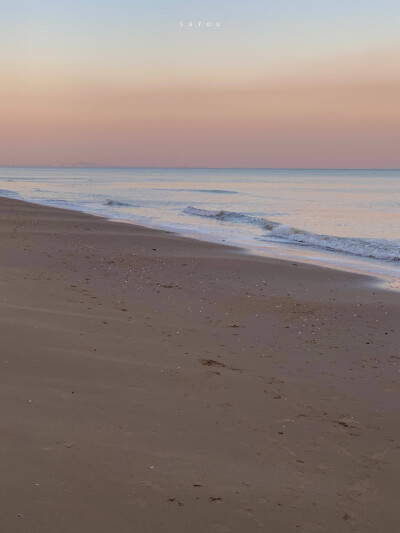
(152, 383)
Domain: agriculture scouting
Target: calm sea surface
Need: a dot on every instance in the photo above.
(349, 219)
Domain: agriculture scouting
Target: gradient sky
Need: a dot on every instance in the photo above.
(308, 83)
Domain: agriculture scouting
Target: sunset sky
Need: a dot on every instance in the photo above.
(308, 83)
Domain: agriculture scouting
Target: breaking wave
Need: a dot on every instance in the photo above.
(373, 248)
(232, 216)
(114, 203)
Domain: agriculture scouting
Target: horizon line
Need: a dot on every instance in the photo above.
(98, 166)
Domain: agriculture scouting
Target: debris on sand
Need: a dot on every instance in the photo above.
(211, 362)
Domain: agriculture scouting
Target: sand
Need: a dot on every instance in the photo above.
(153, 383)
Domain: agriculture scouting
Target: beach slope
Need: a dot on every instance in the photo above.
(152, 383)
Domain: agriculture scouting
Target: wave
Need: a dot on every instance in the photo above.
(8, 194)
(232, 216)
(210, 191)
(373, 248)
(213, 191)
(117, 204)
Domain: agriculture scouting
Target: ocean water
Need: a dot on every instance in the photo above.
(348, 219)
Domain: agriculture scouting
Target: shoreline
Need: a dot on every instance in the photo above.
(155, 382)
(378, 279)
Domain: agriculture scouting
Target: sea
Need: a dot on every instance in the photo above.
(345, 219)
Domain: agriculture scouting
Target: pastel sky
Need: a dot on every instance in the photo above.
(288, 83)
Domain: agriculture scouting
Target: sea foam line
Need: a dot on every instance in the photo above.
(373, 248)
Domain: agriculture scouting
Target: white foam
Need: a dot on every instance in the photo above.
(373, 248)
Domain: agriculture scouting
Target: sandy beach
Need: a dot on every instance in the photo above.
(153, 383)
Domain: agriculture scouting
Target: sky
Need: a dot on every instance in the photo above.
(291, 84)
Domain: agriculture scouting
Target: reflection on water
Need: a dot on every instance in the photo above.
(344, 218)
